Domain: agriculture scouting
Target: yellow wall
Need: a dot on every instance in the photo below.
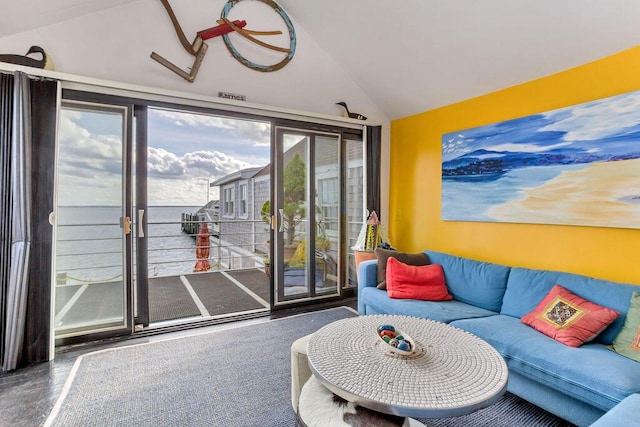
(415, 186)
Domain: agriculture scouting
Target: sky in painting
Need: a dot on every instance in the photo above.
(608, 125)
(186, 151)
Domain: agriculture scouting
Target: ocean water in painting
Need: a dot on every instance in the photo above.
(578, 165)
(462, 204)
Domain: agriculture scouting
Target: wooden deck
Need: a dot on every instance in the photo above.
(210, 294)
(196, 296)
(181, 298)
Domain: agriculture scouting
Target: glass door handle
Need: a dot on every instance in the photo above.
(127, 225)
(280, 228)
(140, 228)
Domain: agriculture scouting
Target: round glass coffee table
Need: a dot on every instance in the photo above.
(450, 372)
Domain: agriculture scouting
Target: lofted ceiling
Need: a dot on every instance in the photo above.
(25, 15)
(415, 55)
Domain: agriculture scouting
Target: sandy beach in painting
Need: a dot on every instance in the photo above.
(603, 194)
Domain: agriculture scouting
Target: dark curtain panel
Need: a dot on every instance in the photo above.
(373, 154)
(6, 117)
(43, 132)
(33, 346)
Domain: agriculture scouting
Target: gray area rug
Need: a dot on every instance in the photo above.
(233, 377)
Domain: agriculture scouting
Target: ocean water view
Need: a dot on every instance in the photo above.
(89, 243)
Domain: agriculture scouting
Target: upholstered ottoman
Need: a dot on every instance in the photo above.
(300, 371)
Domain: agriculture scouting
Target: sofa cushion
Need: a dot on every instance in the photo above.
(527, 287)
(591, 373)
(376, 301)
(569, 319)
(627, 343)
(424, 282)
(383, 256)
(477, 283)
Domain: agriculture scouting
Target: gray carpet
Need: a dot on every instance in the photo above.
(510, 411)
(234, 377)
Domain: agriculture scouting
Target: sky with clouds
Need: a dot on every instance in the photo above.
(610, 125)
(185, 152)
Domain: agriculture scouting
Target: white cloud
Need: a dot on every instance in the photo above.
(259, 132)
(162, 163)
(90, 168)
(214, 163)
(597, 120)
(526, 148)
(80, 143)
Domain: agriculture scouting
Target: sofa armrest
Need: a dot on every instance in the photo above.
(623, 414)
(368, 274)
(367, 277)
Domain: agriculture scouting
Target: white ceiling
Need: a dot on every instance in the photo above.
(414, 55)
(24, 15)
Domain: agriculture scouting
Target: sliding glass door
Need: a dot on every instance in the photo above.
(307, 225)
(93, 221)
(200, 216)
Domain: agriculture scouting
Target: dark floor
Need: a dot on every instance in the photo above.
(29, 394)
(187, 296)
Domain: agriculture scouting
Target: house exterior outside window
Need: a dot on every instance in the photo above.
(243, 200)
(329, 198)
(241, 224)
(228, 202)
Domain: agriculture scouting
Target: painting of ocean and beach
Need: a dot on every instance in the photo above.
(578, 165)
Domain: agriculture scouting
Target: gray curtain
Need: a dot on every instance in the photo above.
(6, 117)
(20, 211)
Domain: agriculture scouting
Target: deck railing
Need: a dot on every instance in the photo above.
(93, 253)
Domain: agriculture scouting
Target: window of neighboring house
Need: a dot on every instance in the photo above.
(328, 197)
(228, 202)
(243, 200)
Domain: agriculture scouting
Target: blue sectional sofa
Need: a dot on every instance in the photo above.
(577, 384)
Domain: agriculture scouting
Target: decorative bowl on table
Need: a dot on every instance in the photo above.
(395, 341)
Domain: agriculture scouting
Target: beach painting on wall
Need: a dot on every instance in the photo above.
(578, 165)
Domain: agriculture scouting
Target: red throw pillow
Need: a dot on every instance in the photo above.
(568, 318)
(424, 282)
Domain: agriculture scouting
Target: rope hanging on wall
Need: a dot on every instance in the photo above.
(258, 67)
(225, 26)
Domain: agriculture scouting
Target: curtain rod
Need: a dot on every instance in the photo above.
(29, 75)
(72, 81)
